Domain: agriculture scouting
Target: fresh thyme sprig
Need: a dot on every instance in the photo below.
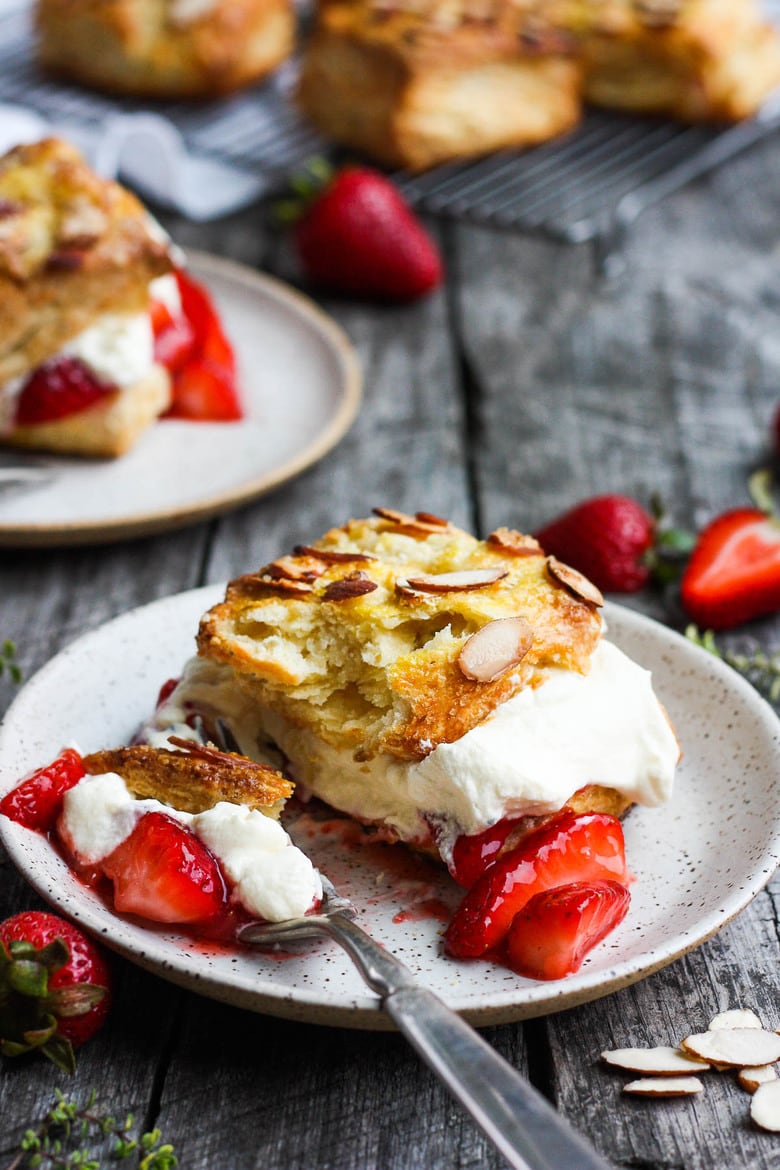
(66, 1137)
(759, 668)
(8, 661)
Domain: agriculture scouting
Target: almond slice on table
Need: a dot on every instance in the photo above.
(456, 582)
(664, 1087)
(735, 1047)
(735, 1018)
(765, 1106)
(495, 649)
(663, 1061)
(751, 1078)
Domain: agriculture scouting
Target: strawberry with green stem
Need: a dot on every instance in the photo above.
(355, 234)
(54, 987)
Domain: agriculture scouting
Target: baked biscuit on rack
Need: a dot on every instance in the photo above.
(697, 60)
(414, 84)
(77, 254)
(164, 48)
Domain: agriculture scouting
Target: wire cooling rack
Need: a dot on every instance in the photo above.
(589, 184)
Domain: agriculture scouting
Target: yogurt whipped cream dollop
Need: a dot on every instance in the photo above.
(271, 877)
(527, 759)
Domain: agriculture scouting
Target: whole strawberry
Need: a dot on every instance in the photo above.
(608, 538)
(360, 237)
(54, 987)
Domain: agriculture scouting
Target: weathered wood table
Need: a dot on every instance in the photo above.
(526, 384)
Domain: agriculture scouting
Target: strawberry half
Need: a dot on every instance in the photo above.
(361, 237)
(58, 388)
(36, 803)
(570, 848)
(556, 930)
(164, 873)
(607, 538)
(733, 575)
(173, 337)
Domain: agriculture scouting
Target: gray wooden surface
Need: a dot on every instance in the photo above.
(526, 384)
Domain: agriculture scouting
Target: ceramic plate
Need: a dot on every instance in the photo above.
(697, 862)
(300, 385)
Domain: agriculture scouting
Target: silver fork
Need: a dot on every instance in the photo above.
(522, 1125)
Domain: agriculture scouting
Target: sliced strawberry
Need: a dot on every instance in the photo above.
(59, 388)
(204, 393)
(554, 932)
(733, 575)
(174, 338)
(164, 873)
(198, 309)
(166, 690)
(473, 855)
(37, 802)
(570, 848)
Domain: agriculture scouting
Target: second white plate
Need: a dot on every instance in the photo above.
(300, 383)
(697, 861)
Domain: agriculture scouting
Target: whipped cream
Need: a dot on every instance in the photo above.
(118, 348)
(271, 877)
(534, 752)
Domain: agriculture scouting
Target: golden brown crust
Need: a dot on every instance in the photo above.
(107, 429)
(367, 663)
(72, 247)
(415, 84)
(412, 89)
(697, 60)
(164, 48)
(193, 778)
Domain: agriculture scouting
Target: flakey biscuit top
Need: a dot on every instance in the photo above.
(368, 648)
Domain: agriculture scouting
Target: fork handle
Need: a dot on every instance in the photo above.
(510, 1112)
(508, 1109)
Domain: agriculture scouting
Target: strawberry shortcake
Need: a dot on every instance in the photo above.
(100, 332)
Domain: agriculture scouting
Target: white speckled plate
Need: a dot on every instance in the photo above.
(300, 384)
(697, 861)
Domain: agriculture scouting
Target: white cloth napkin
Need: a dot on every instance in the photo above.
(147, 152)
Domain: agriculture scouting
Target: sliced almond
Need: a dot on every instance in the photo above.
(421, 524)
(353, 585)
(751, 1078)
(664, 1087)
(284, 584)
(516, 544)
(330, 556)
(295, 568)
(663, 1061)
(736, 1018)
(765, 1106)
(495, 649)
(575, 581)
(735, 1047)
(466, 579)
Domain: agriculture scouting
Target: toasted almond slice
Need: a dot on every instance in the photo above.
(735, 1047)
(331, 556)
(285, 584)
(516, 544)
(751, 1078)
(765, 1106)
(575, 581)
(353, 585)
(300, 569)
(421, 524)
(663, 1061)
(495, 649)
(664, 1087)
(450, 582)
(736, 1018)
